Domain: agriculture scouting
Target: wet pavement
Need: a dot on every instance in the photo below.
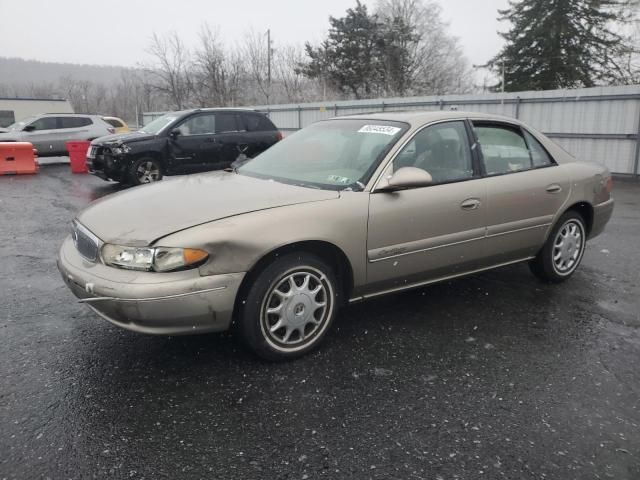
(492, 376)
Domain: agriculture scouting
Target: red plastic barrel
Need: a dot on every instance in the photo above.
(78, 156)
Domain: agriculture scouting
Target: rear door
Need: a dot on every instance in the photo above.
(435, 231)
(260, 133)
(525, 190)
(228, 140)
(73, 128)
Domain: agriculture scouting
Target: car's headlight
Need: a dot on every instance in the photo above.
(159, 259)
(121, 150)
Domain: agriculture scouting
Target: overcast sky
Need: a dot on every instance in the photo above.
(117, 32)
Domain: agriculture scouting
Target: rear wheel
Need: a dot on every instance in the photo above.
(563, 251)
(289, 307)
(145, 170)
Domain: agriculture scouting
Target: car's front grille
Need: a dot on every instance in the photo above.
(86, 242)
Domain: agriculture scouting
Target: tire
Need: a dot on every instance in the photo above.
(145, 170)
(305, 312)
(562, 253)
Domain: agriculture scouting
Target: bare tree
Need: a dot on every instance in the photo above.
(255, 52)
(436, 64)
(217, 71)
(170, 72)
(286, 64)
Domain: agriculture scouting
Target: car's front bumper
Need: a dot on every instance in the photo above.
(106, 167)
(601, 216)
(173, 303)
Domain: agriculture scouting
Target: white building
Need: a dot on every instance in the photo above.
(15, 109)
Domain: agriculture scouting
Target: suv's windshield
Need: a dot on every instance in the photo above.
(335, 154)
(21, 124)
(159, 124)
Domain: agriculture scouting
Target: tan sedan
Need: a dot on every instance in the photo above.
(343, 210)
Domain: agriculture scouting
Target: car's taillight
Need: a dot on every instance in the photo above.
(279, 136)
(111, 130)
(608, 184)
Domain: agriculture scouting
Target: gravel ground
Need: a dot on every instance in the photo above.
(492, 376)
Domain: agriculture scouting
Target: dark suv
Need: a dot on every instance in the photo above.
(182, 142)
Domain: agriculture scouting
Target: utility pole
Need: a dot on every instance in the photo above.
(268, 64)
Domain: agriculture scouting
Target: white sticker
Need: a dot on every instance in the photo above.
(383, 129)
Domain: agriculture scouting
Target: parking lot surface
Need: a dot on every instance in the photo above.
(492, 376)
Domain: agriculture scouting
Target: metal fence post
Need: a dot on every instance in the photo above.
(518, 108)
(299, 117)
(636, 162)
(382, 106)
(335, 109)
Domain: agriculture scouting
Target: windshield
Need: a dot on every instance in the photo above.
(21, 124)
(335, 154)
(156, 126)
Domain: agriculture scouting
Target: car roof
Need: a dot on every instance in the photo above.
(67, 113)
(212, 109)
(421, 117)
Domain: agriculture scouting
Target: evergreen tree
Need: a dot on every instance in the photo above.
(348, 57)
(562, 43)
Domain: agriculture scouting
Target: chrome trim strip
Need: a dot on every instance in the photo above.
(436, 280)
(149, 299)
(427, 249)
(542, 225)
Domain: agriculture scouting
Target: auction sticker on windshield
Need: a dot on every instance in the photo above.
(383, 129)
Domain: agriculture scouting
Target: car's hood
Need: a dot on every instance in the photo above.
(123, 138)
(143, 214)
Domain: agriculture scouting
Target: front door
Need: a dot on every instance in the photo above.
(525, 190)
(43, 135)
(195, 145)
(435, 231)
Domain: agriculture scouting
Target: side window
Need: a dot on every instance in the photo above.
(199, 125)
(45, 123)
(504, 149)
(74, 122)
(113, 122)
(539, 155)
(258, 123)
(226, 122)
(442, 150)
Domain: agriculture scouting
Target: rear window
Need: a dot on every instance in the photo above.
(74, 122)
(226, 123)
(113, 122)
(258, 123)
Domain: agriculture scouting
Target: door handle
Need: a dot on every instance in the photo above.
(554, 188)
(470, 204)
(212, 140)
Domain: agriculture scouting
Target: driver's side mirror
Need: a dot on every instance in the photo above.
(175, 133)
(404, 178)
(29, 128)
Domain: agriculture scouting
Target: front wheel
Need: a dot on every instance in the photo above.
(563, 250)
(145, 170)
(289, 307)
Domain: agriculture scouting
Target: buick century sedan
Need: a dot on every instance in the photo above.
(341, 211)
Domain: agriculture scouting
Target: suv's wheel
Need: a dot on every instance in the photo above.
(289, 307)
(562, 253)
(145, 170)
